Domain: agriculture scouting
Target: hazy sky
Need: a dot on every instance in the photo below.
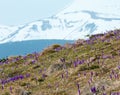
(15, 12)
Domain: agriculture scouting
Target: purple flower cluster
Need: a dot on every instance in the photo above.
(115, 93)
(114, 75)
(13, 79)
(78, 62)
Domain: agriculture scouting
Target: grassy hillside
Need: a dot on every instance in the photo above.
(87, 67)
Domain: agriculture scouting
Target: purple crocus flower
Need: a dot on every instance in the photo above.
(93, 89)
(110, 76)
(91, 74)
(21, 77)
(80, 61)
(40, 71)
(66, 74)
(103, 87)
(78, 86)
(43, 76)
(79, 91)
(119, 67)
(10, 89)
(62, 76)
(85, 74)
(75, 64)
(116, 76)
(33, 61)
(27, 75)
(113, 72)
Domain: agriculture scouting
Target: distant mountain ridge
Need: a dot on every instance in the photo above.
(76, 21)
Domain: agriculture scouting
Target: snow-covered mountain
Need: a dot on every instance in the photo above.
(75, 21)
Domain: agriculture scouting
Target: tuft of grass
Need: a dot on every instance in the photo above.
(92, 67)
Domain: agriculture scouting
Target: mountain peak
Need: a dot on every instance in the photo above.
(75, 21)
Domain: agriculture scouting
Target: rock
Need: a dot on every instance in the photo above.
(67, 45)
(1, 70)
(55, 67)
(107, 56)
(22, 92)
(91, 59)
(79, 41)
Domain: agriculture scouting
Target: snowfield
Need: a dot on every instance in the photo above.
(75, 21)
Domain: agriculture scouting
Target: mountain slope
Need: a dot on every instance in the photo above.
(88, 67)
(75, 21)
